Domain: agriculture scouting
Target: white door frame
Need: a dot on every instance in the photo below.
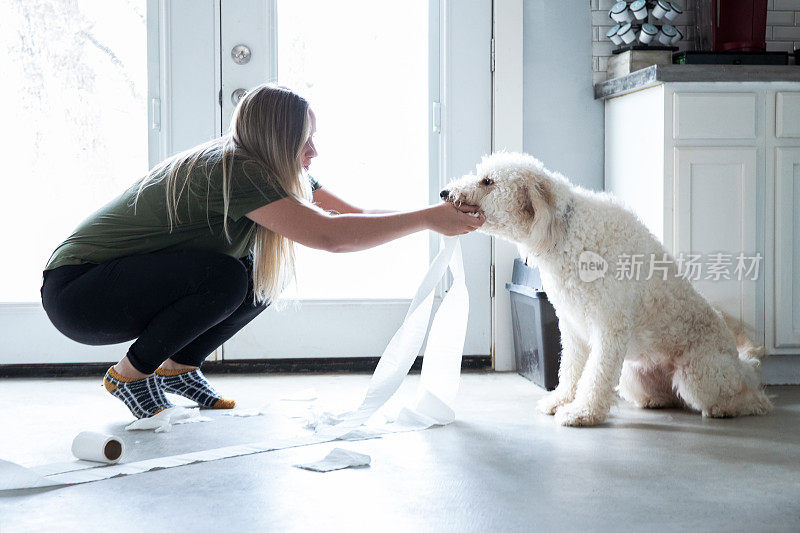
(183, 98)
(507, 128)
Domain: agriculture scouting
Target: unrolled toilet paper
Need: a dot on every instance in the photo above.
(441, 365)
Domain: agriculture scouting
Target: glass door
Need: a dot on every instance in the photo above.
(367, 80)
(372, 72)
(403, 103)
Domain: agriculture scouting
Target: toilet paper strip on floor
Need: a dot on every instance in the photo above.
(438, 386)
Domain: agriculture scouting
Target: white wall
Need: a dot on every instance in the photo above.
(544, 48)
(562, 122)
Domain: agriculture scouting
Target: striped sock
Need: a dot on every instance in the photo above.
(192, 384)
(143, 397)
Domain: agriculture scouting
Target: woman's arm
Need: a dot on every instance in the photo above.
(335, 205)
(313, 227)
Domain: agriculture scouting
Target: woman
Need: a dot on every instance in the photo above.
(187, 256)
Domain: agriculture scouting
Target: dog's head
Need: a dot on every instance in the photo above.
(522, 201)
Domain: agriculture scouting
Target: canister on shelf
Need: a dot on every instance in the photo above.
(673, 13)
(639, 9)
(620, 13)
(612, 35)
(627, 34)
(667, 34)
(648, 33)
(661, 8)
(678, 36)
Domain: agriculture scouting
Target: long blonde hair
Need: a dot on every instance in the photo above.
(269, 127)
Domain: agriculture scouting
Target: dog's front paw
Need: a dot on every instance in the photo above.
(551, 402)
(578, 415)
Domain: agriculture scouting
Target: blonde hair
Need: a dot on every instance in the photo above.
(269, 127)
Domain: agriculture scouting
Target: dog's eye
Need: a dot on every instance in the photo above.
(487, 181)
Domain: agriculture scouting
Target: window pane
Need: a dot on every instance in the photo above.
(74, 88)
(366, 78)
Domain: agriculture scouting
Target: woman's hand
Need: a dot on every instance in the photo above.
(450, 220)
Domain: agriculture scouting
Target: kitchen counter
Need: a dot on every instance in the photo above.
(657, 74)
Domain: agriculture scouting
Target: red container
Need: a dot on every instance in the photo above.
(739, 25)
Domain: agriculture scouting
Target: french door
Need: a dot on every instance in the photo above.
(402, 97)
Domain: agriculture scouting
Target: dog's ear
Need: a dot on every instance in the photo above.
(546, 226)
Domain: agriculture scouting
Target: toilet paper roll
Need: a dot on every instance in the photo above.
(93, 446)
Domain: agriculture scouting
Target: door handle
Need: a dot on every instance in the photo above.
(237, 95)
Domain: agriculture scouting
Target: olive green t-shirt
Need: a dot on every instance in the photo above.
(115, 231)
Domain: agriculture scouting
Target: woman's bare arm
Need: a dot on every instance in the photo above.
(336, 205)
(311, 226)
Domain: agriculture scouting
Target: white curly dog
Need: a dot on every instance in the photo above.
(657, 341)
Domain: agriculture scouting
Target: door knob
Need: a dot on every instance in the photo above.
(237, 95)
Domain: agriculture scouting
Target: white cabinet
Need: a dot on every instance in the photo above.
(715, 213)
(713, 169)
(786, 310)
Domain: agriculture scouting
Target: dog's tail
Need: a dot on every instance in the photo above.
(745, 345)
(750, 353)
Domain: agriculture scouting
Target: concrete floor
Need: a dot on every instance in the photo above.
(500, 467)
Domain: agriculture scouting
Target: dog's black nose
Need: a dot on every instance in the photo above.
(444, 194)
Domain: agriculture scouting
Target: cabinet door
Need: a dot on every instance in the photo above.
(787, 247)
(715, 208)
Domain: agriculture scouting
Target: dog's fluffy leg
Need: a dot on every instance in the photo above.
(720, 384)
(574, 353)
(647, 385)
(595, 393)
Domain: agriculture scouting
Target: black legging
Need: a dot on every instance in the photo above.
(180, 305)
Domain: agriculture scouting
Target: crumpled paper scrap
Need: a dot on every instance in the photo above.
(338, 459)
(163, 421)
(316, 416)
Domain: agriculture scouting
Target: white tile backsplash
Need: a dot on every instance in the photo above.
(780, 46)
(786, 33)
(786, 5)
(780, 18)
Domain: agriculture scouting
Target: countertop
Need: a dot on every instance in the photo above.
(658, 74)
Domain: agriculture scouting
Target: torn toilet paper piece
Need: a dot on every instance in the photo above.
(338, 459)
(163, 421)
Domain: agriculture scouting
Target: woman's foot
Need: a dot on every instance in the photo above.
(143, 396)
(190, 383)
